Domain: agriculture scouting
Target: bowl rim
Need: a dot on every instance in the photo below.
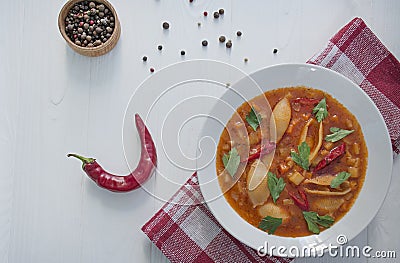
(315, 240)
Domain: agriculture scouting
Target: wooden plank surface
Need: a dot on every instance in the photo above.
(54, 101)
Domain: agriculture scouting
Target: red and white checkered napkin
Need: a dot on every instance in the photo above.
(190, 233)
(358, 54)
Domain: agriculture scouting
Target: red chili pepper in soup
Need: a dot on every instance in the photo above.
(261, 150)
(306, 101)
(302, 201)
(333, 154)
(134, 180)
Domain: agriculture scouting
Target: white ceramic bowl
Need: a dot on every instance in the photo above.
(375, 133)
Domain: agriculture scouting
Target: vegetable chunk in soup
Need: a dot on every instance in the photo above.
(294, 171)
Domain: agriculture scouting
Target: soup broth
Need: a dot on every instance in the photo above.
(294, 172)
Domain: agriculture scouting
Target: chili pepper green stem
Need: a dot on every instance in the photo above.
(84, 160)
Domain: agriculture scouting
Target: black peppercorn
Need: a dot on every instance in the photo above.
(222, 39)
(239, 33)
(144, 58)
(221, 11)
(183, 52)
(165, 25)
(97, 43)
(216, 14)
(275, 51)
(228, 44)
(159, 47)
(204, 43)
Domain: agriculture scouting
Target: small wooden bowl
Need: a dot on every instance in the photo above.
(90, 51)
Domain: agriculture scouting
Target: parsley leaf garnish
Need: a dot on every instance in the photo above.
(320, 111)
(301, 158)
(275, 186)
(231, 161)
(339, 179)
(270, 223)
(337, 134)
(313, 220)
(253, 118)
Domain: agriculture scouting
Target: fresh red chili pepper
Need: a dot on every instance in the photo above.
(306, 101)
(117, 183)
(261, 150)
(332, 155)
(302, 201)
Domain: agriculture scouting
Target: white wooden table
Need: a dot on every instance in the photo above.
(54, 101)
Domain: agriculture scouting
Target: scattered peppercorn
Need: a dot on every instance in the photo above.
(190, 1)
(89, 24)
(165, 25)
(151, 70)
(159, 47)
(198, 24)
(204, 43)
(275, 51)
(222, 39)
(221, 11)
(246, 60)
(228, 44)
(216, 14)
(183, 52)
(144, 58)
(239, 33)
(205, 13)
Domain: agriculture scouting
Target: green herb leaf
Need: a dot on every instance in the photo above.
(337, 134)
(253, 119)
(301, 158)
(320, 111)
(325, 221)
(339, 179)
(270, 223)
(313, 220)
(275, 186)
(231, 161)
